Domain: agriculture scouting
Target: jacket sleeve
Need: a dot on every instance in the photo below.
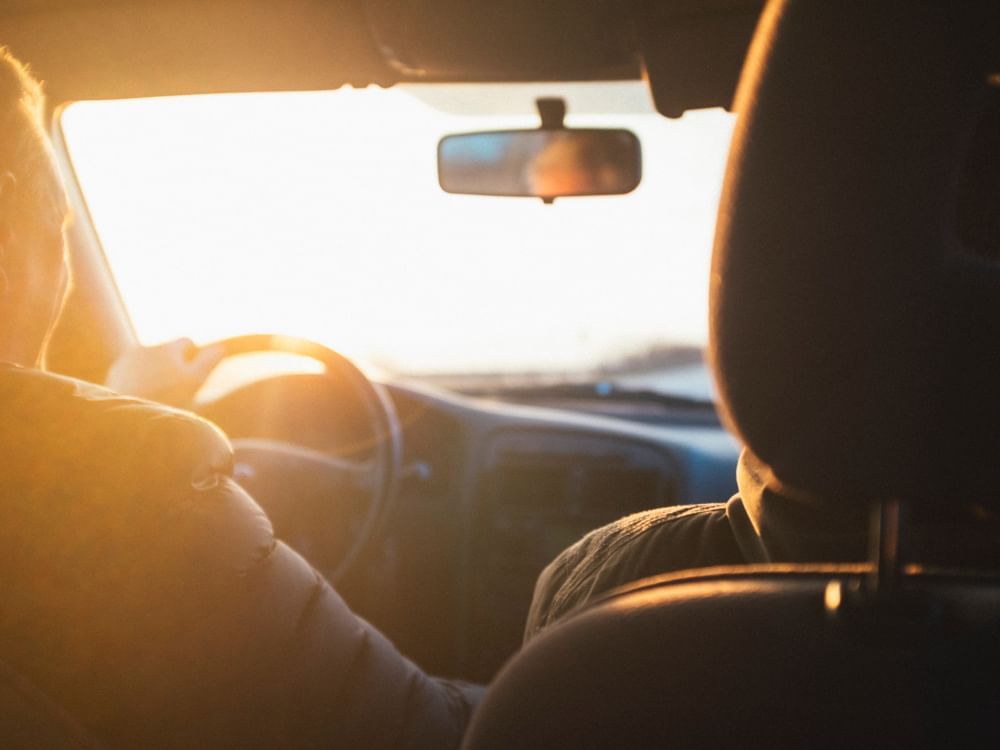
(143, 590)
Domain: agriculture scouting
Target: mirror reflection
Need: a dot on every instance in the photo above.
(544, 164)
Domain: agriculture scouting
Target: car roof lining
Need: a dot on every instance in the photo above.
(111, 49)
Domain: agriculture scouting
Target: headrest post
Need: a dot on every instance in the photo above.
(878, 602)
(887, 529)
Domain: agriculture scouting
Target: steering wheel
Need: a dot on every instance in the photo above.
(377, 476)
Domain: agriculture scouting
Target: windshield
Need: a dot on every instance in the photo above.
(319, 215)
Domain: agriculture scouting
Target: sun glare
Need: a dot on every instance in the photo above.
(319, 215)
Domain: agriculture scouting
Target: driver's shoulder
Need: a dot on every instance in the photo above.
(72, 428)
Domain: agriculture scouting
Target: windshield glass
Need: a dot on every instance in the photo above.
(319, 215)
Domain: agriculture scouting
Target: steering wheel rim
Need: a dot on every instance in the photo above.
(386, 444)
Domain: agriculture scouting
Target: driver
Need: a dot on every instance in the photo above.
(145, 601)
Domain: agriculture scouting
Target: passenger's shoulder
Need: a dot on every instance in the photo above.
(636, 546)
(638, 527)
(671, 514)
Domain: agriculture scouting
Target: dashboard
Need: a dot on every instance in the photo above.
(490, 492)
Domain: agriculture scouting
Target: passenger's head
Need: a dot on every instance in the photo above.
(33, 275)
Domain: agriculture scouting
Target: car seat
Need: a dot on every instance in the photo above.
(855, 321)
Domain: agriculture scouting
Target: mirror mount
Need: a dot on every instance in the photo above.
(552, 111)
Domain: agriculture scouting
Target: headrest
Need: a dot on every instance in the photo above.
(855, 335)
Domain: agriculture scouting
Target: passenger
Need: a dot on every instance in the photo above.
(768, 521)
(144, 595)
(764, 522)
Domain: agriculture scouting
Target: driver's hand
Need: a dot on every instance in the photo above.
(170, 373)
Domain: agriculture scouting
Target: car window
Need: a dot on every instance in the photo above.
(319, 214)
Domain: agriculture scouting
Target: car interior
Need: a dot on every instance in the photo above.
(431, 448)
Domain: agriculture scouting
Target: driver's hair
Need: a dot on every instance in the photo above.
(23, 140)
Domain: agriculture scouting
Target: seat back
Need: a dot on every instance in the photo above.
(759, 658)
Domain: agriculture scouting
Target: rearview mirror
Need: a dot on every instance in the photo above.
(545, 163)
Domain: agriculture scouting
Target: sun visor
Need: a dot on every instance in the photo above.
(693, 51)
(115, 50)
(517, 40)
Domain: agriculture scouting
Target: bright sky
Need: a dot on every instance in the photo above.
(319, 215)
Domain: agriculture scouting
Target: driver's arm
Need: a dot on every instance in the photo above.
(145, 592)
(169, 373)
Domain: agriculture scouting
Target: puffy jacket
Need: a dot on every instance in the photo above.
(143, 591)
